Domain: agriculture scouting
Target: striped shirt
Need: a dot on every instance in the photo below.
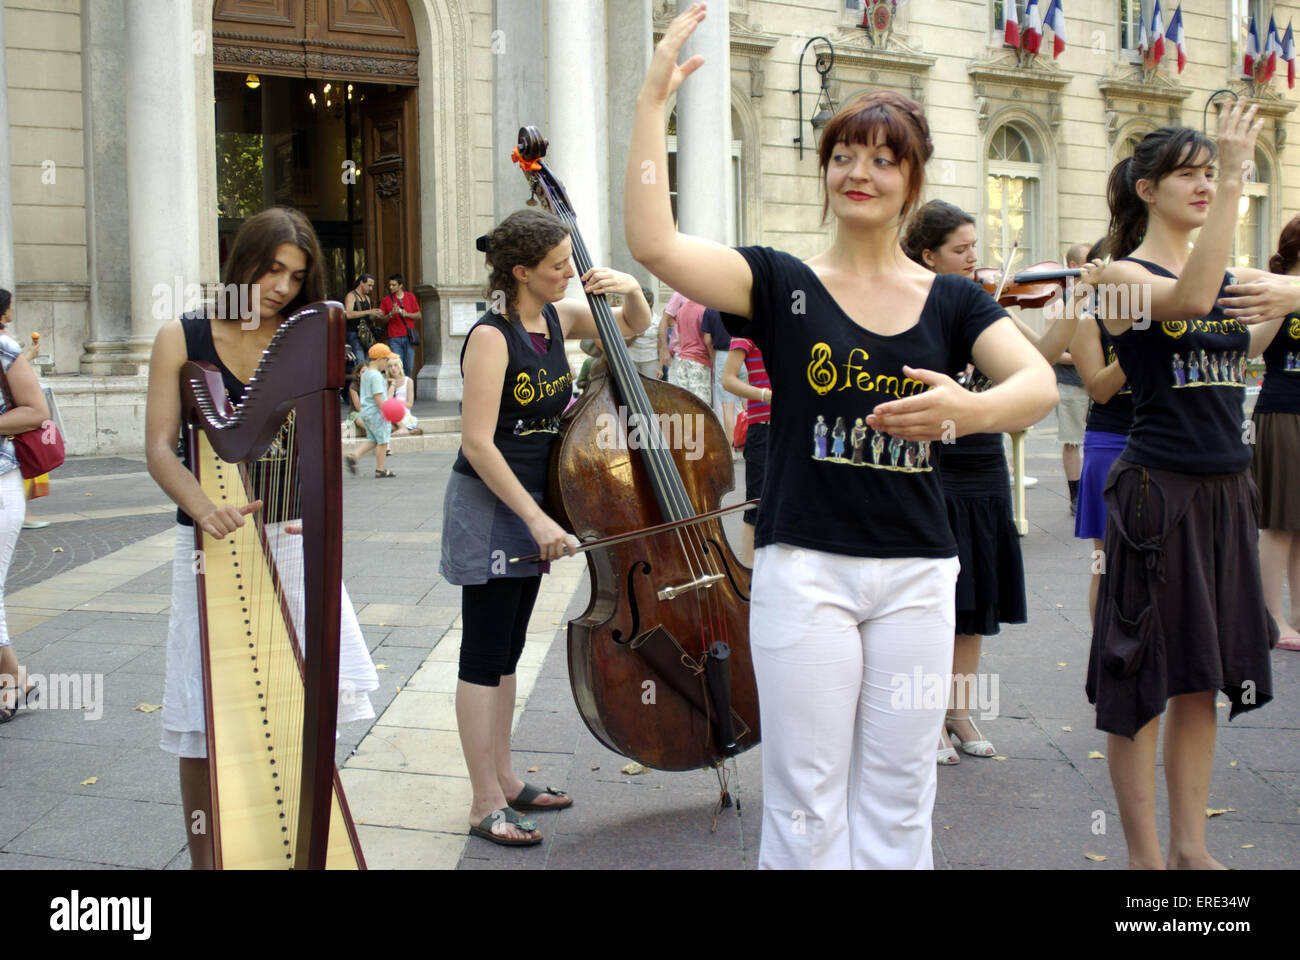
(756, 411)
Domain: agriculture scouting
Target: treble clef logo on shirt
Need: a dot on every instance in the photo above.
(524, 392)
(1293, 328)
(1174, 328)
(821, 372)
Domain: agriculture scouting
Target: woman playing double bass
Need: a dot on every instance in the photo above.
(855, 565)
(517, 383)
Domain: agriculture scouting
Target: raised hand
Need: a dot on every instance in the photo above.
(665, 74)
(1238, 129)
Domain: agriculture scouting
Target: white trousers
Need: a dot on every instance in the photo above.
(853, 658)
(13, 508)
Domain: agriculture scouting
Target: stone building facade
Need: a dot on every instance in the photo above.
(109, 198)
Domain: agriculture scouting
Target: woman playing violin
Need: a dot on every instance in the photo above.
(517, 383)
(855, 566)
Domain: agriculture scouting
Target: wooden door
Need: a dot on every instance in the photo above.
(390, 182)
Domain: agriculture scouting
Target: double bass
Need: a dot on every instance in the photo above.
(659, 661)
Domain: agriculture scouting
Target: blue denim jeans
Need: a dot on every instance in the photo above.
(402, 347)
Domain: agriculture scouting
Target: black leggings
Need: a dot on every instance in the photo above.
(494, 627)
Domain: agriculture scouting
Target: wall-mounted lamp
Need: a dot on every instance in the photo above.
(825, 103)
(252, 81)
(1222, 94)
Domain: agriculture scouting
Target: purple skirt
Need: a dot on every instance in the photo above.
(1100, 450)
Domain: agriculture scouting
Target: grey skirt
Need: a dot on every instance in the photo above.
(480, 535)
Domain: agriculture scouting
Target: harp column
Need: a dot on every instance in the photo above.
(162, 162)
(704, 130)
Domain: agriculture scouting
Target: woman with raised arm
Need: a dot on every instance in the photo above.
(1277, 455)
(517, 383)
(855, 566)
(976, 492)
(276, 253)
(1181, 612)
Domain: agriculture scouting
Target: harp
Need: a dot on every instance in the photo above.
(269, 601)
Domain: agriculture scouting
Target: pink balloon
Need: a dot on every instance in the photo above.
(394, 410)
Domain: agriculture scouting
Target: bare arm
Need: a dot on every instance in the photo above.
(732, 383)
(29, 409)
(1102, 380)
(705, 271)
(162, 421)
(633, 317)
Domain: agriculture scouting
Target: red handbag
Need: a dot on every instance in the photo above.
(39, 450)
(742, 430)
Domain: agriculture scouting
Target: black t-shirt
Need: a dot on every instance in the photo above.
(973, 444)
(832, 483)
(273, 477)
(1116, 414)
(1188, 387)
(1281, 390)
(712, 325)
(537, 388)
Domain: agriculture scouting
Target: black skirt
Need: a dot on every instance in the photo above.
(1181, 605)
(1277, 454)
(991, 584)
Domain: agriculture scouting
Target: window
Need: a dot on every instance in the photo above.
(1012, 211)
(1132, 14)
(1239, 14)
(1252, 244)
(736, 220)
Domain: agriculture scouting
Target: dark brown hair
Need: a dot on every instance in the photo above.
(253, 253)
(901, 122)
(931, 227)
(1288, 249)
(1159, 154)
(522, 239)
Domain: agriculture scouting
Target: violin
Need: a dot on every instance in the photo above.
(659, 662)
(1033, 287)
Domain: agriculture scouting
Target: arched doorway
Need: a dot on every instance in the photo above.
(316, 108)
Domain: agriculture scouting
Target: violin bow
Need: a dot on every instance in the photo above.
(645, 532)
(1006, 268)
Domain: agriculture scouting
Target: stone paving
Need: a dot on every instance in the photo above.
(102, 616)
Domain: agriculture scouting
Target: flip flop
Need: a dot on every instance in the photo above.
(511, 816)
(530, 793)
(1289, 643)
(351, 465)
(384, 474)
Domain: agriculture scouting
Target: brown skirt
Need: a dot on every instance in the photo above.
(1277, 460)
(1181, 606)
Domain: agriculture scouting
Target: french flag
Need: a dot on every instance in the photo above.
(1157, 36)
(1272, 47)
(1056, 20)
(1175, 35)
(1252, 51)
(1288, 54)
(1012, 34)
(1033, 36)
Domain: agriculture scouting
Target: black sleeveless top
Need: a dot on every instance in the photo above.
(1116, 414)
(1281, 390)
(361, 303)
(275, 509)
(537, 388)
(972, 443)
(1188, 380)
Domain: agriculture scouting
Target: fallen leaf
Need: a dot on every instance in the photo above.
(1068, 729)
(595, 768)
(57, 550)
(1062, 664)
(89, 780)
(1214, 813)
(381, 666)
(1220, 703)
(1096, 857)
(947, 828)
(1246, 846)
(1060, 605)
(634, 768)
(1096, 755)
(533, 769)
(147, 707)
(1232, 763)
(999, 758)
(90, 494)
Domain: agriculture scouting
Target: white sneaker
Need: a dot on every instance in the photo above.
(1029, 481)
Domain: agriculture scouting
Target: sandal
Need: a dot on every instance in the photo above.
(1289, 643)
(384, 474)
(973, 748)
(529, 794)
(511, 816)
(8, 713)
(351, 464)
(947, 757)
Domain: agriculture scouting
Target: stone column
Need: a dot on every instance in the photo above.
(161, 161)
(630, 44)
(518, 45)
(704, 186)
(575, 71)
(6, 205)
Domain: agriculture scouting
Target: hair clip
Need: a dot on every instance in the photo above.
(484, 243)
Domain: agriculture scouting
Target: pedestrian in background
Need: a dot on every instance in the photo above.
(1072, 411)
(692, 366)
(374, 391)
(403, 313)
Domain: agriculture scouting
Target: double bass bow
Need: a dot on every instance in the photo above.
(659, 662)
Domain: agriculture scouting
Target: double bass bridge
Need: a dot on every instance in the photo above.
(699, 583)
